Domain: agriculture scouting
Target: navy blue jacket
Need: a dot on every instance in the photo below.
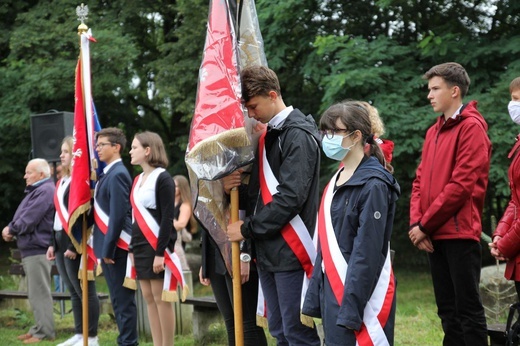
(113, 197)
(363, 237)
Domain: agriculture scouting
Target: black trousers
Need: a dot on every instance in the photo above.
(68, 269)
(455, 268)
(222, 286)
(122, 298)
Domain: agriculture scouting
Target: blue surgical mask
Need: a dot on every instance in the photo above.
(333, 149)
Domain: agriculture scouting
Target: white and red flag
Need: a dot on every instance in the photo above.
(222, 138)
(220, 141)
(84, 157)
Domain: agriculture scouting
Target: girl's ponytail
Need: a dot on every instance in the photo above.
(375, 150)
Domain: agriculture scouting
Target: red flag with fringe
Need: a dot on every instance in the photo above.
(219, 142)
(84, 157)
(218, 106)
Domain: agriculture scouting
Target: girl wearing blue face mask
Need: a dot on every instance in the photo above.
(505, 238)
(353, 287)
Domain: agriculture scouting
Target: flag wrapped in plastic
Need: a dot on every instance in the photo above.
(219, 141)
(250, 42)
(251, 52)
(84, 158)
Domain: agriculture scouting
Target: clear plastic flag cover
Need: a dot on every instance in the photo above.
(222, 137)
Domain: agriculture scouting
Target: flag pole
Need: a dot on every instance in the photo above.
(82, 12)
(235, 249)
(84, 280)
(237, 279)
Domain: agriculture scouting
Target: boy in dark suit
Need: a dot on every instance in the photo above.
(112, 230)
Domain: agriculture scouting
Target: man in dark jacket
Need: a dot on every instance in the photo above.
(32, 227)
(283, 195)
(446, 204)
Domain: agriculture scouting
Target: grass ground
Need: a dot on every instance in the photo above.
(416, 319)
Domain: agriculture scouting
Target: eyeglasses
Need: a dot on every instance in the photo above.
(330, 133)
(101, 145)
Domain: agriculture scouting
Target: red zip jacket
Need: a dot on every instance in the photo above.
(509, 225)
(450, 185)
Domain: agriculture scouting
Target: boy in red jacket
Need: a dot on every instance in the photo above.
(447, 201)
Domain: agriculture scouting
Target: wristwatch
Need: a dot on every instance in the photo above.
(245, 257)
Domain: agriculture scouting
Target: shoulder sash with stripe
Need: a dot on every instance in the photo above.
(59, 203)
(63, 214)
(173, 269)
(295, 233)
(335, 267)
(101, 220)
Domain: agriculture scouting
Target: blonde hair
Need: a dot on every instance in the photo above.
(69, 142)
(378, 128)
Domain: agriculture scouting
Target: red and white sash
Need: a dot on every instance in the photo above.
(59, 204)
(101, 220)
(173, 269)
(335, 268)
(63, 214)
(295, 233)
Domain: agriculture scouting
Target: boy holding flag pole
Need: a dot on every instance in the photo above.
(220, 142)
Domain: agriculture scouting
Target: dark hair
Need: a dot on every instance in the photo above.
(515, 85)
(152, 140)
(453, 74)
(258, 81)
(114, 136)
(354, 116)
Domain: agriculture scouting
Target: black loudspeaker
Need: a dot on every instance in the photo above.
(47, 133)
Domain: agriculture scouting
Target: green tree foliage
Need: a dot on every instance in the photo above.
(145, 67)
(378, 51)
(144, 72)
(379, 54)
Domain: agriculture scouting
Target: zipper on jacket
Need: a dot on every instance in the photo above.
(431, 170)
